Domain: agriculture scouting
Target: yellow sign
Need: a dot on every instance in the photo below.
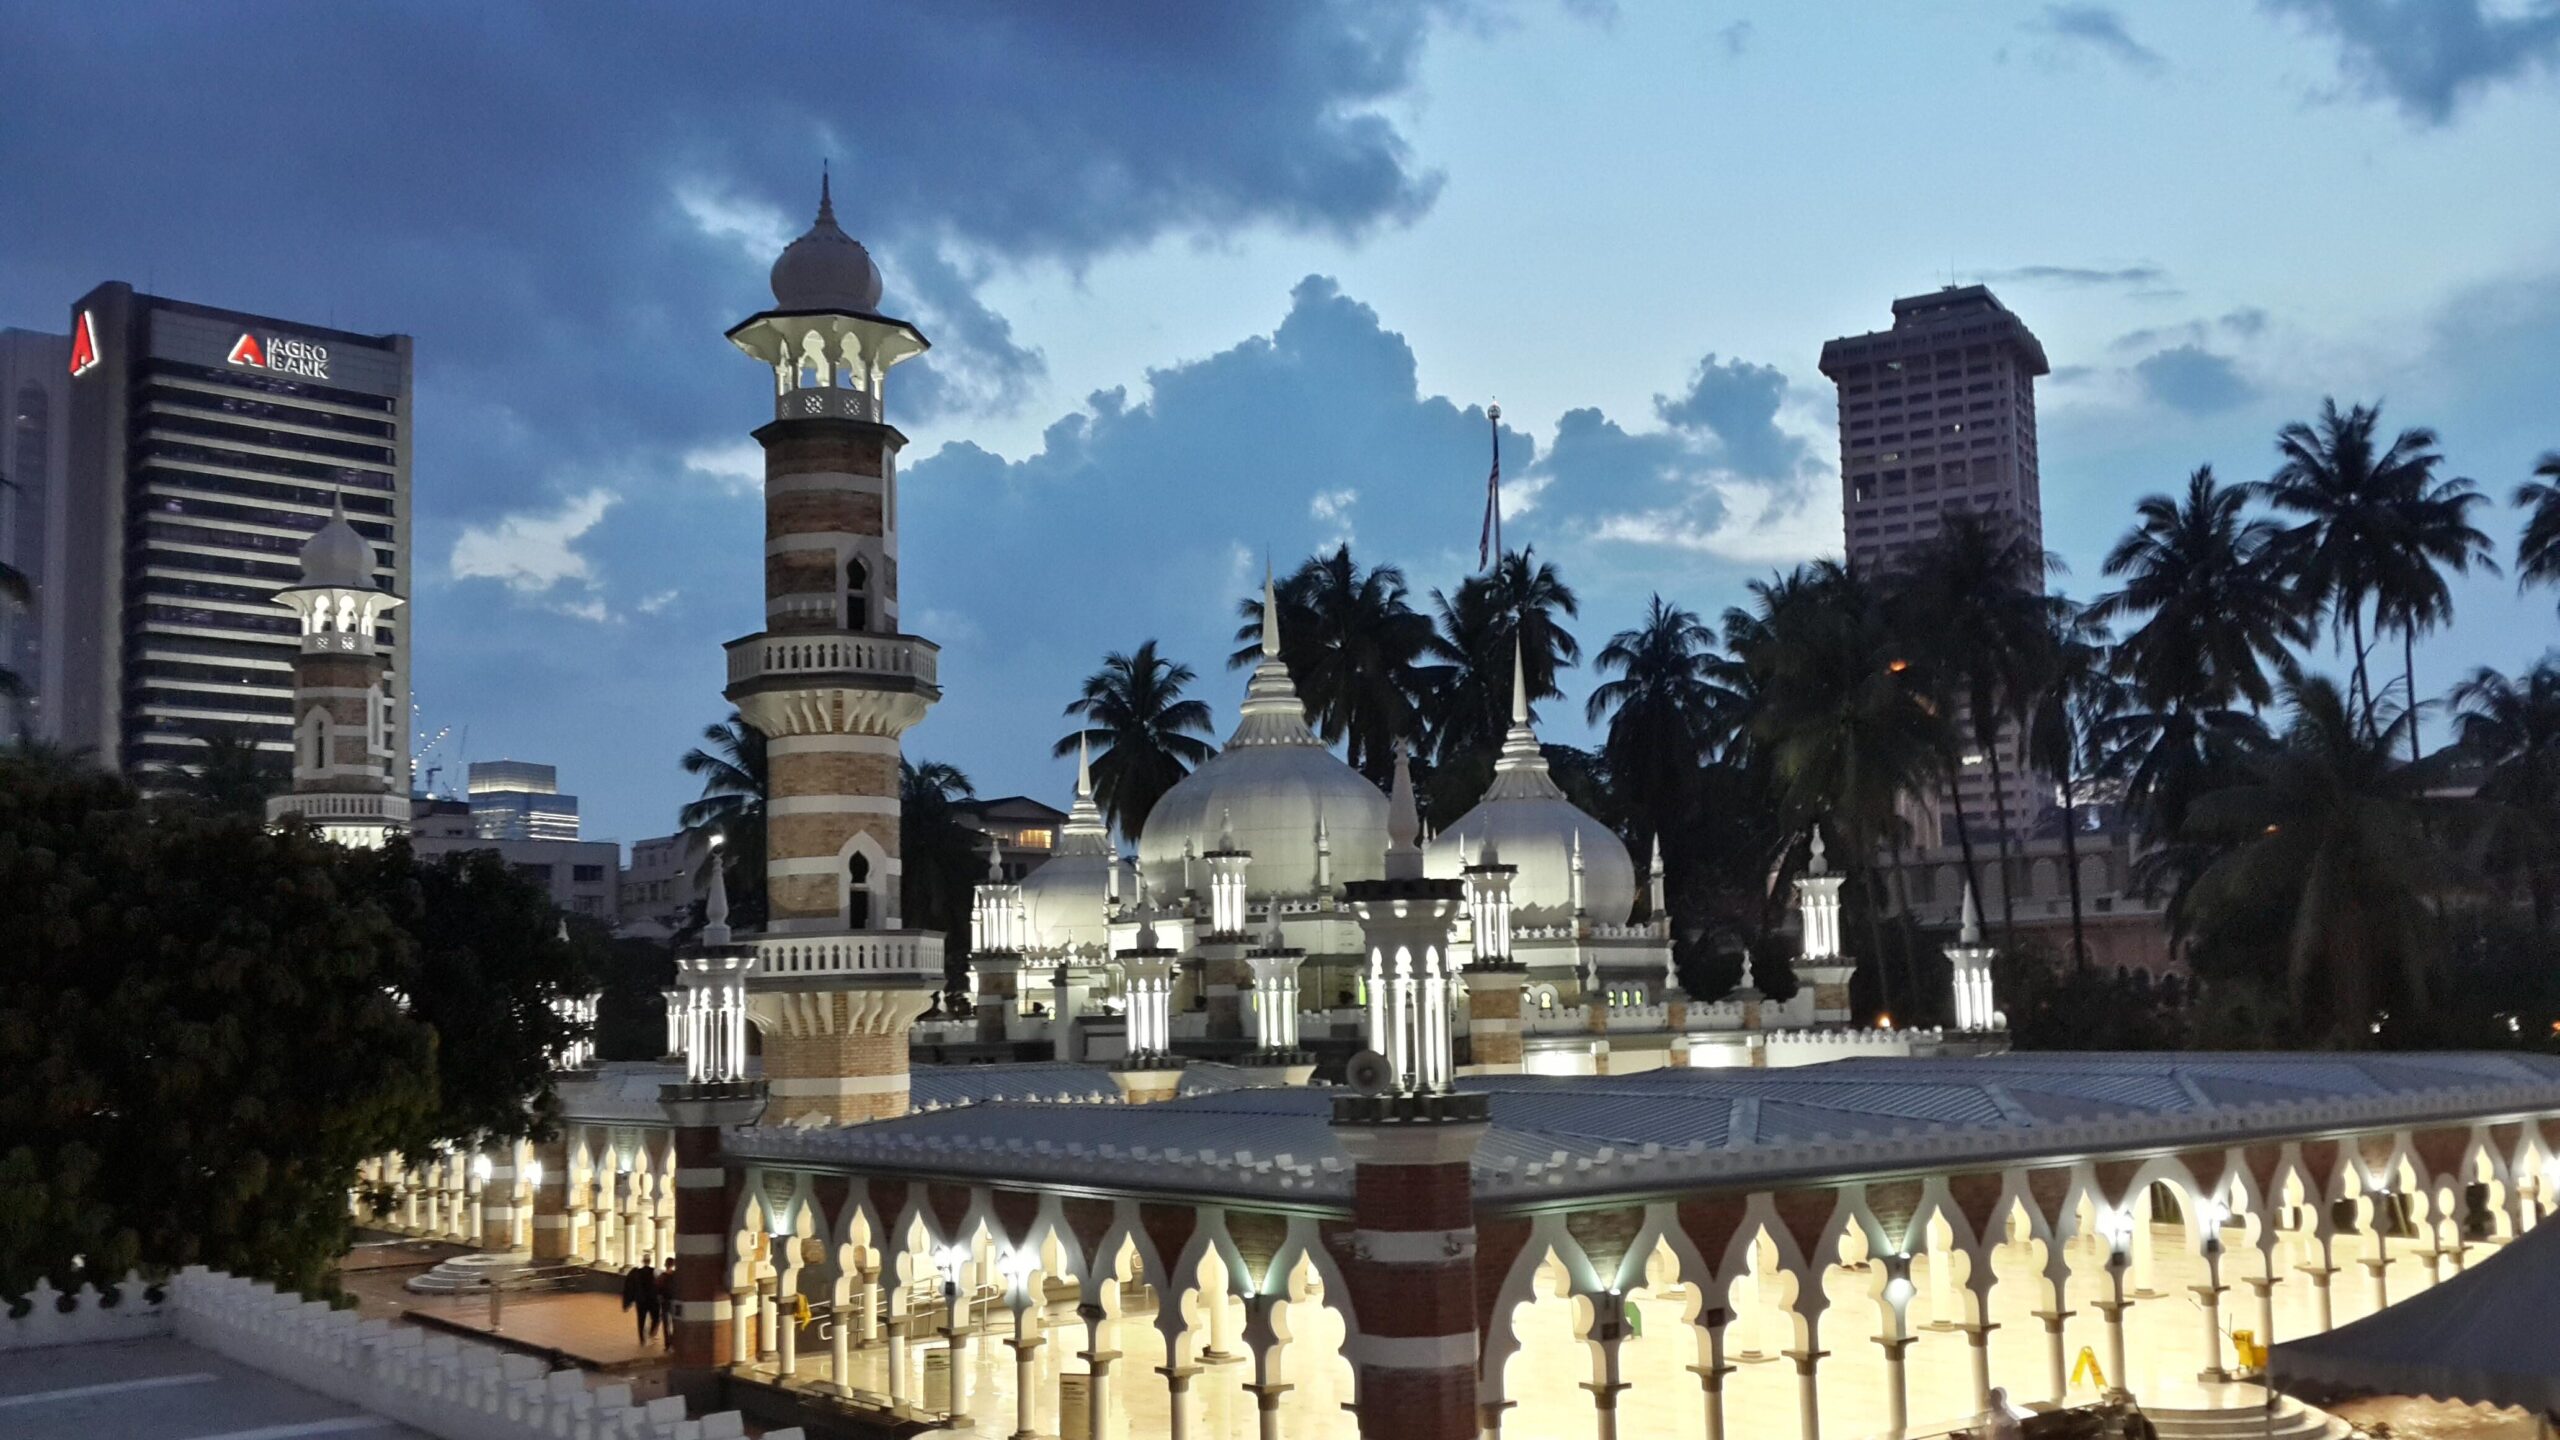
(2087, 1372)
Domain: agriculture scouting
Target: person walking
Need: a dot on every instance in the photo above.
(640, 1295)
(665, 1290)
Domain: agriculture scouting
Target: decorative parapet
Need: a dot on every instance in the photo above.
(787, 657)
(878, 954)
(1140, 1167)
(442, 1385)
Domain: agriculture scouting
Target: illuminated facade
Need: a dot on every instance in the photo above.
(347, 756)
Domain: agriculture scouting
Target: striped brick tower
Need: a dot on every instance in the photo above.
(345, 740)
(832, 684)
(1411, 1270)
(700, 1329)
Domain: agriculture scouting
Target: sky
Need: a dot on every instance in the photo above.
(1214, 283)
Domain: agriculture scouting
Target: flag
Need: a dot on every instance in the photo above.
(1489, 543)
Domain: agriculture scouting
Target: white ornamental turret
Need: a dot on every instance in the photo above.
(1970, 960)
(346, 743)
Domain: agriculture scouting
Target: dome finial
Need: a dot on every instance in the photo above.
(1971, 933)
(1084, 766)
(1817, 865)
(1519, 679)
(1404, 822)
(826, 194)
(1270, 612)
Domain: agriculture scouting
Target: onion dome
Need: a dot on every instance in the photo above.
(826, 269)
(1525, 817)
(1270, 792)
(337, 557)
(1066, 901)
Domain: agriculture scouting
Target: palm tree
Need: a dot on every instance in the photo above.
(2538, 549)
(1667, 708)
(230, 775)
(1840, 715)
(2431, 534)
(2070, 696)
(1972, 609)
(940, 861)
(2355, 545)
(1353, 646)
(1145, 736)
(2210, 613)
(1511, 608)
(2322, 856)
(731, 765)
(2512, 727)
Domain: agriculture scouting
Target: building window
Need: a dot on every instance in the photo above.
(857, 892)
(586, 874)
(857, 594)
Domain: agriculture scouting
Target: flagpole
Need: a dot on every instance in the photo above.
(1489, 542)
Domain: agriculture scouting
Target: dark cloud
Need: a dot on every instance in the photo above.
(567, 204)
(2247, 322)
(2141, 277)
(1737, 403)
(1736, 37)
(2193, 380)
(2430, 57)
(2102, 29)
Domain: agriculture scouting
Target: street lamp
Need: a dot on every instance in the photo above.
(2117, 1226)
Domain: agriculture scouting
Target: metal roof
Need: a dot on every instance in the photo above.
(1670, 1130)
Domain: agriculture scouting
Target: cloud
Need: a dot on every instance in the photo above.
(738, 466)
(1736, 37)
(1737, 403)
(530, 551)
(1333, 509)
(2140, 277)
(2431, 57)
(2193, 380)
(2102, 29)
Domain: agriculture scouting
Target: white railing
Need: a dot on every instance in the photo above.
(903, 656)
(1562, 1020)
(901, 952)
(390, 809)
(440, 1385)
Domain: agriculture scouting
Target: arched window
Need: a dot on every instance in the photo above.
(857, 594)
(857, 892)
(315, 742)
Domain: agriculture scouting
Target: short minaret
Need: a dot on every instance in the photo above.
(1821, 967)
(995, 947)
(1970, 959)
(1412, 1141)
(1219, 957)
(1495, 979)
(1405, 919)
(715, 1096)
(344, 736)
(1148, 1070)
(1277, 1058)
(832, 683)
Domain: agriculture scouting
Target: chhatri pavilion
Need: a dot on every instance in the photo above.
(1553, 1195)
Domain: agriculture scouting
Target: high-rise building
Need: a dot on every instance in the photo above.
(205, 447)
(1937, 416)
(35, 394)
(520, 800)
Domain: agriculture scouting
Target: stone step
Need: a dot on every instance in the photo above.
(2292, 1420)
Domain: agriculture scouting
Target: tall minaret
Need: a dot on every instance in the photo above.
(343, 732)
(832, 684)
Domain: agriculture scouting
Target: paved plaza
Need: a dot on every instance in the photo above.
(164, 1390)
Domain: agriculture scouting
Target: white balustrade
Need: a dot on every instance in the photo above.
(904, 656)
(895, 953)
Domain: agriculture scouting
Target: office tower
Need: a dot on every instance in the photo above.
(205, 447)
(520, 800)
(1938, 415)
(35, 393)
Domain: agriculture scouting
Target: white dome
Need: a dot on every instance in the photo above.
(1269, 792)
(337, 556)
(826, 269)
(1532, 826)
(1066, 900)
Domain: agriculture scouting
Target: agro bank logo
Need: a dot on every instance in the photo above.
(283, 356)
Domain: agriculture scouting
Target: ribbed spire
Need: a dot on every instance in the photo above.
(1404, 823)
(1084, 766)
(1520, 771)
(1817, 865)
(1271, 714)
(1085, 832)
(1270, 614)
(1519, 683)
(826, 195)
(1971, 933)
(715, 908)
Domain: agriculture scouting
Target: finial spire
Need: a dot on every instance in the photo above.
(715, 907)
(1519, 680)
(826, 195)
(1404, 822)
(1971, 933)
(1817, 865)
(1270, 612)
(1084, 766)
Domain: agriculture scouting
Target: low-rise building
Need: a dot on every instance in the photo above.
(583, 876)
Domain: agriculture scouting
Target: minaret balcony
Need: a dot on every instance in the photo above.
(827, 402)
(883, 957)
(888, 661)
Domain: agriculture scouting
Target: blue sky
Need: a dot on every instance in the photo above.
(1211, 282)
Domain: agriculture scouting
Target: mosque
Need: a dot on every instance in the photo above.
(1551, 1195)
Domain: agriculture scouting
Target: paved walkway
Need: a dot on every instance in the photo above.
(164, 1390)
(572, 1328)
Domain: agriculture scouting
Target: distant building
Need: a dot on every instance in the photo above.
(520, 800)
(583, 876)
(1025, 831)
(660, 885)
(35, 403)
(1937, 416)
(204, 447)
